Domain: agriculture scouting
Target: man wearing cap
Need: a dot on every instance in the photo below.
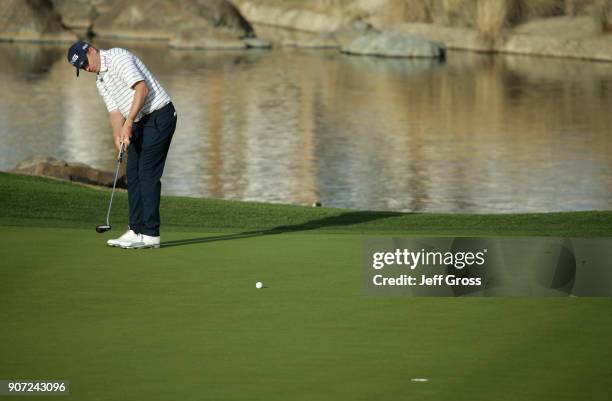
(143, 119)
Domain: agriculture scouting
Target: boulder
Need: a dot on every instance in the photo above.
(165, 20)
(321, 41)
(394, 44)
(586, 46)
(32, 21)
(560, 27)
(342, 36)
(78, 172)
(346, 34)
(205, 39)
(256, 43)
(598, 48)
(77, 15)
(291, 17)
(452, 37)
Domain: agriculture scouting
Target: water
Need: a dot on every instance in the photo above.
(475, 134)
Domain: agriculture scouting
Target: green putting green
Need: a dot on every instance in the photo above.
(185, 322)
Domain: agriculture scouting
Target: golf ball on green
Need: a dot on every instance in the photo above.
(258, 284)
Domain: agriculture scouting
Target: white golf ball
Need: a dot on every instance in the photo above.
(258, 284)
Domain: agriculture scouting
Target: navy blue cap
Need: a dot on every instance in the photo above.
(77, 55)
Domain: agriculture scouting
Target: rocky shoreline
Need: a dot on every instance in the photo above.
(591, 48)
(71, 171)
(353, 26)
(560, 36)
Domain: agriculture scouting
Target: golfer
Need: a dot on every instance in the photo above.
(143, 119)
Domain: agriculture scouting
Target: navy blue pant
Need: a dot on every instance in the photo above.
(151, 137)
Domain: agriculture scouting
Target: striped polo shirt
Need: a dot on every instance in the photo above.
(119, 71)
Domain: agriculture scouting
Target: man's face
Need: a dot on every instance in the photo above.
(93, 61)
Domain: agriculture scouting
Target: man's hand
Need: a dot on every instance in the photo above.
(118, 142)
(126, 133)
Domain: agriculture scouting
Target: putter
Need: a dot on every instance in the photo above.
(102, 228)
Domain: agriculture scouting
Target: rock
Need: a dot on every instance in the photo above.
(284, 16)
(603, 15)
(78, 172)
(165, 20)
(256, 43)
(322, 41)
(567, 46)
(598, 48)
(205, 39)
(77, 15)
(560, 27)
(210, 39)
(349, 32)
(393, 44)
(32, 21)
(453, 38)
(101, 6)
(342, 36)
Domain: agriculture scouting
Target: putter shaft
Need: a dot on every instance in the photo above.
(110, 204)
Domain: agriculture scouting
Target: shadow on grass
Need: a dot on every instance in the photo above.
(344, 219)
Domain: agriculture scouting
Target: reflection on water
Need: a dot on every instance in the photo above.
(476, 134)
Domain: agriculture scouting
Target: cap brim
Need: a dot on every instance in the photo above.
(79, 66)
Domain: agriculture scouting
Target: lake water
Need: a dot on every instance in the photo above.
(474, 134)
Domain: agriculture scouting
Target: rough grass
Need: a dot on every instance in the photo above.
(43, 202)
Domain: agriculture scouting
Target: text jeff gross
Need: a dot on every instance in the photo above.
(438, 279)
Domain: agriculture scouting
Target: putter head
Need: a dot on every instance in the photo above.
(103, 228)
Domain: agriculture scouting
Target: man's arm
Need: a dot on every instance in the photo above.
(116, 120)
(141, 90)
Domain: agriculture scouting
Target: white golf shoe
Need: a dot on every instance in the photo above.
(127, 237)
(143, 241)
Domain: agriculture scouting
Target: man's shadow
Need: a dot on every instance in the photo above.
(344, 219)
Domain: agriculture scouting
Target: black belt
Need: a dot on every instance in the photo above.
(159, 111)
(167, 107)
